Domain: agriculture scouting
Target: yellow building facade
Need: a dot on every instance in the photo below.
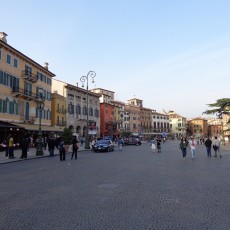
(24, 84)
(58, 110)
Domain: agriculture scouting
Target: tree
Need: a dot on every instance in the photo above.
(222, 107)
(67, 136)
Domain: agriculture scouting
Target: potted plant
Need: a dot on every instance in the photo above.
(67, 138)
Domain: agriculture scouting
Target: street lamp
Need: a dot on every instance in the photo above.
(91, 74)
(40, 106)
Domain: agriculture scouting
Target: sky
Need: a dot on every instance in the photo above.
(172, 54)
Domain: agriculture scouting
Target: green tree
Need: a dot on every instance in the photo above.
(220, 107)
(67, 136)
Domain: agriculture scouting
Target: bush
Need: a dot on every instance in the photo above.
(67, 136)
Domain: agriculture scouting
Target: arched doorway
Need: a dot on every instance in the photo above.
(78, 130)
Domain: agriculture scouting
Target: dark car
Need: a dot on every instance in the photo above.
(103, 146)
(132, 141)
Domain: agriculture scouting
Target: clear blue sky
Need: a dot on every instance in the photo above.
(172, 54)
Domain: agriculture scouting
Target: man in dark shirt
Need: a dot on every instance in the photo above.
(208, 145)
(51, 145)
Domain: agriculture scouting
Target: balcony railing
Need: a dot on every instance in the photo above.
(17, 92)
(28, 75)
(27, 119)
(61, 123)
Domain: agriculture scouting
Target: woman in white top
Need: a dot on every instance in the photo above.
(216, 146)
(193, 144)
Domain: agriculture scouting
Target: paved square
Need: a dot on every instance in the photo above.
(134, 189)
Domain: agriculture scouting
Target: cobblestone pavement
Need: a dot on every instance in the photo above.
(30, 155)
(134, 189)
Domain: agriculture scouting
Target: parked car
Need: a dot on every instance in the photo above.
(132, 141)
(103, 146)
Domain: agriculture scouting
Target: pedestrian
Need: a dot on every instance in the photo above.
(75, 145)
(11, 147)
(24, 146)
(6, 143)
(183, 146)
(153, 145)
(62, 151)
(120, 144)
(30, 145)
(208, 145)
(158, 144)
(92, 144)
(51, 145)
(216, 146)
(193, 144)
(45, 143)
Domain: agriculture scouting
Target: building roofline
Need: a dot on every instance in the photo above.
(103, 89)
(7, 46)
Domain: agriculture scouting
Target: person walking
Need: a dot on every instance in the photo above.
(45, 143)
(183, 146)
(75, 145)
(153, 145)
(24, 146)
(120, 144)
(62, 151)
(193, 144)
(216, 146)
(11, 147)
(6, 143)
(158, 144)
(208, 145)
(51, 145)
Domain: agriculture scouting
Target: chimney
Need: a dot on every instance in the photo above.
(3, 36)
(46, 65)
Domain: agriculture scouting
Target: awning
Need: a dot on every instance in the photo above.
(4, 124)
(45, 128)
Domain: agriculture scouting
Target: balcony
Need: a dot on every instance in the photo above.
(29, 76)
(61, 123)
(17, 92)
(27, 119)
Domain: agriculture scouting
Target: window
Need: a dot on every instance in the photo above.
(0, 54)
(71, 108)
(84, 110)
(78, 109)
(28, 88)
(28, 70)
(96, 112)
(8, 59)
(15, 63)
(90, 111)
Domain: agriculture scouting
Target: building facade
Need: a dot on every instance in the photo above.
(76, 108)
(160, 123)
(198, 127)
(58, 115)
(177, 123)
(25, 85)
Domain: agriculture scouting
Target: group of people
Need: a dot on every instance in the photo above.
(192, 144)
(50, 142)
(155, 144)
(62, 147)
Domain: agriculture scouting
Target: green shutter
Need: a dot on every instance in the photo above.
(17, 109)
(0, 105)
(4, 106)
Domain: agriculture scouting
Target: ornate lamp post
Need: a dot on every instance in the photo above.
(91, 74)
(40, 106)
